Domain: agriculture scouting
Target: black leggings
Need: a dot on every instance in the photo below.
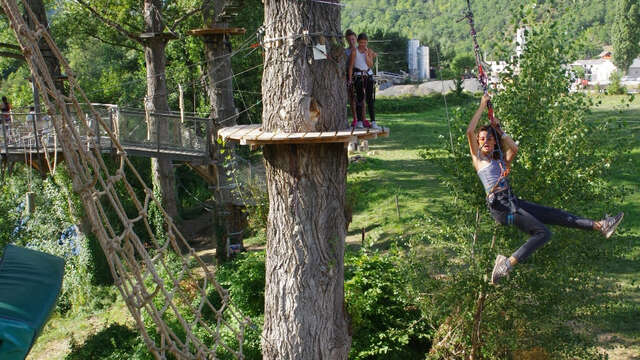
(364, 88)
(531, 218)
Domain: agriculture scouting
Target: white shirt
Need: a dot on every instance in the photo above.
(361, 63)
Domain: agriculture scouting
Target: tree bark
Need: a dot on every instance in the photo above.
(38, 8)
(217, 50)
(305, 316)
(219, 73)
(156, 102)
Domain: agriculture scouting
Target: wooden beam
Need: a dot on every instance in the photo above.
(217, 31)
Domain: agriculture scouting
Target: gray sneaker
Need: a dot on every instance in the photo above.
(501, 268)
(610, 223)
(375, 126)
(359, 125)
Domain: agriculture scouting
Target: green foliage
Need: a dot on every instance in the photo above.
(579, 72)
(386, 323)
(626, 33)
(615, 87)
(461, 65)
(562, 162)
(244, 278)
(98, 267)
(116, 342)
(49, 228)
(434, 23)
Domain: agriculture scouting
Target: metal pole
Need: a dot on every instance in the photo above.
(36, 109)
(4, 135)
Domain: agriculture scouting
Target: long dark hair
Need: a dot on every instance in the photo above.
(492, 132)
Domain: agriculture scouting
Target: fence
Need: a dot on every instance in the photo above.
(136, 130)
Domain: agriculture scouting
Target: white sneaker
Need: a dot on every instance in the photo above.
(359, 125)
(501, 268)
(610, 223)
(375, 126)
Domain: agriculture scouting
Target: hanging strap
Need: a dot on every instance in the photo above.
(482, 76)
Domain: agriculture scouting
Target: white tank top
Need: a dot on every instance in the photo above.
(361, 62)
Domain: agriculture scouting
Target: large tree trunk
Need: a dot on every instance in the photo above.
(217, 49)
(305, 316)
(38, 8)
(156, 102)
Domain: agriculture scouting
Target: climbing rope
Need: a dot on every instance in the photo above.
(482, 78)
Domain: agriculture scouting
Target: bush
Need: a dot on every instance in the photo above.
(116, 342)
(615, 87)
(385, 322)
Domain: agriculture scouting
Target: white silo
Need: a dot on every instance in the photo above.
(423, 63)
(521, 40)
(412, 57)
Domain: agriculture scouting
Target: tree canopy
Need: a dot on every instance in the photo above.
(626, 33)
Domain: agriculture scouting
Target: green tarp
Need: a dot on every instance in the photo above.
(30, 282)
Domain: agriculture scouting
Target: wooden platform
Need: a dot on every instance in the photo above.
(217, 31)
(253, 135)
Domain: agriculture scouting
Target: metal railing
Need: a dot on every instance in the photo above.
(142, 132)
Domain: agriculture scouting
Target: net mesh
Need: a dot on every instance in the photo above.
(172, 294)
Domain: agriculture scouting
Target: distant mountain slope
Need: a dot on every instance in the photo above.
(435, 22)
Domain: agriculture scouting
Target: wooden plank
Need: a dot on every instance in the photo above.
(301, 140)
(296, 136)
(225, 133)
(312, 135)
(244, 131)
(253, 135)
(240, 131)
(217, 30)
(357, 132)
(280, 136)
(328, 134)
(248, 135)
(266, 136)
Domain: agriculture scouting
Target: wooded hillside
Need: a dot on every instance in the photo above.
(435, 22)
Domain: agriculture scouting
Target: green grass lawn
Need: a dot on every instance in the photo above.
(394, 168)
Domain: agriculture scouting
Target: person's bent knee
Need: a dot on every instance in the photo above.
(544, 234)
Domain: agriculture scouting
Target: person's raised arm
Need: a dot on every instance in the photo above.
(370, 55)
(471, 129)
(510, 147)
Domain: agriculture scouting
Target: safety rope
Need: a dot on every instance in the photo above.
(482, 78)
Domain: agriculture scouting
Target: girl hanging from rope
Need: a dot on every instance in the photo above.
(493, 165)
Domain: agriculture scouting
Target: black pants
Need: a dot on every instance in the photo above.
(364, 89)
(531, 218)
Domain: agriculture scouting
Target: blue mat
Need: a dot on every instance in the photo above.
(30, 282)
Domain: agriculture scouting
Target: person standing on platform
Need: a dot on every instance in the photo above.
(352, 44)
(364, 83)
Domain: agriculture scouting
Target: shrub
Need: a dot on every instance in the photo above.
(385, 322)
(615, 87)
(116, 342)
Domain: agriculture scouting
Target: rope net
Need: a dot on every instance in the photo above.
(173, 296)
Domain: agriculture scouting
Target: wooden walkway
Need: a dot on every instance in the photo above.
(254, 135)
(188, 138)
